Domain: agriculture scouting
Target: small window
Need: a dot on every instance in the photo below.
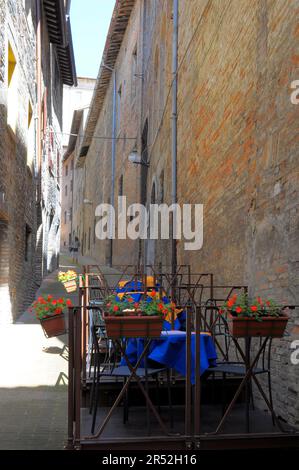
(118, 108)
(66, 170)
(65, 190)
(134, 72)
(58, 165)
(121, 186)
(65, 217)
(89, 236)
(28, 240)
(162, 187)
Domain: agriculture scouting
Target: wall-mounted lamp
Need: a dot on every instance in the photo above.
(136, 158)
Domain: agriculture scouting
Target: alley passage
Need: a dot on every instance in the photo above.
(33, 381)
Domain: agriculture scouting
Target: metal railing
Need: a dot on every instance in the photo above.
(201, 303)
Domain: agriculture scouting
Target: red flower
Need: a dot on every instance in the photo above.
(231, 302)
(152, 293)
(40, 299)
(253, 308)
(54, 302)
(160, 306)
(268, 303)
(115, 308)
(259, 301)
(239, 309)
(69, 303)
(60, 301)
(130, 299)
(58, 311)
(221, 311)
(136, 304)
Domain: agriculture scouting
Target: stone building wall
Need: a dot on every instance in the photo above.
(29, 246)
(237, 147)
(97, 170)
(67, 203)
(51, 168)
(17, 178)
(238, 151)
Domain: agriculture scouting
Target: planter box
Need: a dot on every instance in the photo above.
(269, 326)
(70, 286)
(53, 326)
(133, 326)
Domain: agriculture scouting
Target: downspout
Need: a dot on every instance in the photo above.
(174, 136)
(38, 124)
(113, 154)
(113, 151)
(39, 95)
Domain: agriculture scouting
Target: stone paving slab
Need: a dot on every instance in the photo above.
(33, 381)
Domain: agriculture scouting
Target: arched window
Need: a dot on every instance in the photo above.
(161, 184)
(153, 194)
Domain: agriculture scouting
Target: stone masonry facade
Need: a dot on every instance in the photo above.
(17, 178)
(237, 147)
(29, 185)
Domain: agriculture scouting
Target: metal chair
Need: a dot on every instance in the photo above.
(123, 372)
(227, 367)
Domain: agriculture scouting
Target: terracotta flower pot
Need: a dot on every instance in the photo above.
(70, 286)
(269, 326)
(133, 326)
(54, 325)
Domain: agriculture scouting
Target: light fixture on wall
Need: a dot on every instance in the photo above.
(136, 158)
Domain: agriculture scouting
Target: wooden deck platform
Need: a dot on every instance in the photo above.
(133, 435)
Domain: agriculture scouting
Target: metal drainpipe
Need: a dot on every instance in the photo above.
(174, 132)
(39, 91)
(113, 153)
(38, 54)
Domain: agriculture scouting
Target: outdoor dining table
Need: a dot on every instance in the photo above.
(170, 351)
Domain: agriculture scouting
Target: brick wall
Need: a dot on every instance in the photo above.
(237, 146)
(17, 181)
(67, 203)
(32, 244)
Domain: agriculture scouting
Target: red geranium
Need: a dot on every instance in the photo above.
(46, 306)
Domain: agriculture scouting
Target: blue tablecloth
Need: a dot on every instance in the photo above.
(170, 350)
